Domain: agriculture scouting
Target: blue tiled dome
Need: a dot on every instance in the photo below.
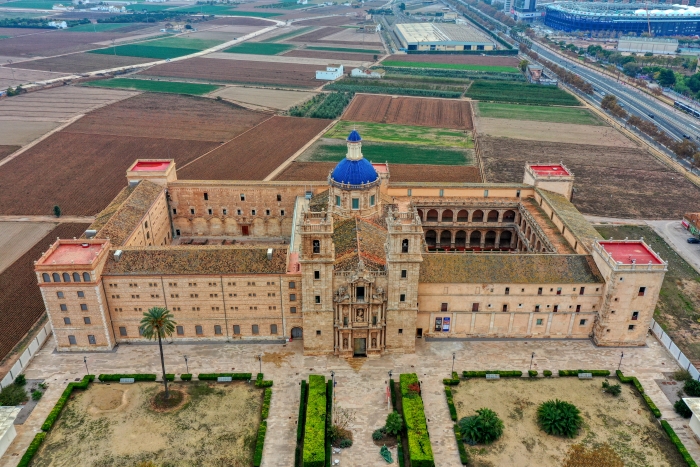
(354, 137)
(354, 172)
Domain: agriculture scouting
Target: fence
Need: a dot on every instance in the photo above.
(27, 355)
(680, 358)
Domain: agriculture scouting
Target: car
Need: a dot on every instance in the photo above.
(686, 136)
(651, 116)
(693, 240)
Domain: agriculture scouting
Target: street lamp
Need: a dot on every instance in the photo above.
(622, 354)
(453, 364)
(187, 367)
(86, 367)
(260, 360)
(532, 357)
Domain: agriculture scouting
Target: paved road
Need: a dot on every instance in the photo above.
(676, 235)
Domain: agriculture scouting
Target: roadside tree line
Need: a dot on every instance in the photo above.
(565, 76)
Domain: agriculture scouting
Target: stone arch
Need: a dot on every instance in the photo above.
(420, 214)
(216, 227)
(509, 216)
(231, 227)
(506, 238)
(258, 229)
(478, 216)
(432, 215)
(538, 246)
(461, 239)
(463, 215)
(297, 333)
(447, 215)
(273, 227)
(445, 238)
(199, 226)
(475, 238)
(493, 216)
(430, 237)
(490, 239)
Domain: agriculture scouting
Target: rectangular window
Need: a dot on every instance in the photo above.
(83, 306)
(236, 329)
(505, 307)
(210, 211)
(292, 285)
(86, 320)
(356, 203)
(122, 331)
(91, 339)
(217, 329)
(273, 329)
(71, 340)
(402, 297)
(578, 308)
(409, 192)
(180, 330)
(198, 330)
(206, 196)
(581, 290)
(404, 274)
(81, 294)
(556, 308)
(279, 197)
(443, 307)
(400, 331)
(539, 291)
(192, 211)
(317, 275)
(255, 329)
(507, 290)
(630, 327)
(253, 212)
(282, 212)
(582, 322)
(64, 307)
(337, 200)
(475, 307)
(59, 294)
(537, 308)
(174, 211)
(486, 193)
(293, 309)
(225, 211)
(635, 315)
(558, 290)
(318, 332)
(539, 322)
(371, 200)
(317, 299)
(66, 320)
(242, 197)
(292, 297)
(442, 193)
(642, 290)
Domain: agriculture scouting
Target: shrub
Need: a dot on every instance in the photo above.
(482, 374)
(301, 424)
(170, 376)
(13, 395)
(260, 383)
(682, 409)
(419, 449)
(454, 381)
(21, 380)
(394, 423)
(378, 434)
(679, 445)
(451, 404)
(532, 373)
(392, 390)
(483, 428)
(31, 450)
(547, 373)
(559, 418)
(57, 211)
(186, 377)
(614, 389)
(654, 409)
(399, 453)
(259, 444)
(692, 388)
(315, 430)
(56, 411)
(682, 375)
(234, 376)
(265, 411)
(345, 443)
(463, 454)
(136, 376)
(36, 395)
(576, 372)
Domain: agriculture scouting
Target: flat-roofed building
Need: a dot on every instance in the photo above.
(442, 37)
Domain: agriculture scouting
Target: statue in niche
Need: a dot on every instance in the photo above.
(360, 315)
(345, 343)
(374, 342)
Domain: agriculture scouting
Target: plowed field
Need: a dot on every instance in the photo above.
(21, 304)
(619, 182)
(6, 150)
(438, 113)
(330, 55)
(457, 59)
(239, 71)
(55, 42)
(241, 21)
(318, 171)
(81, 63)
(328, 21)
(255, 154)
(316, 35)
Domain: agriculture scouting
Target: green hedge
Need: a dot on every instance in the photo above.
(186, 377)
(31, 450)
(260, 383)
(170, 376)
(56, 411)
(576, 372)
(259, 444)
(300, 424)
(315, 430)
(265, 412)
(679, 445)
(482, 374)
(463, 454)
(454, 381)
(631, 379)
(392, 391)
(234, 376)
(451, 403)
(420, 452)
(547, 373)
(399, 454)
(329, 419)
(532, 373)
(136, 376)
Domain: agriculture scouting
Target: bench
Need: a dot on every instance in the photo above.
(585, 376)
(493, 376)
(224, 379)
(126, 380)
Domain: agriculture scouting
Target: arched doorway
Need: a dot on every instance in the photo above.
(297, 333)
(509, 216)
(493, 216)
(506, 238)
(478, 216)
(420, 214)
(432, 215)
(462, 216)
(430, 237)
(460, 239)
(447, 215)
(445, 238)
(490, 239)
(475, 239)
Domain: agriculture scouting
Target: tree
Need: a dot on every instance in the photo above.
(608, 102)
(394, 423)
(559, 418)
(682, 409)
(666, 78)
(57, 211)
(483, 428)
(402, 6)
(523, 64)
(158, 322)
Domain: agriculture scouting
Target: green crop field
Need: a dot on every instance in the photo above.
(342, 49)
(451, 66)
(4, 37)
(334, 150)
(155, 86)
(145, 51)
(259, 48)
(519, 93)
(415, 135)
(184, 43)
(31, 4)
(147, 7)
(206, 9)
(539, 113)
(282, 37)
(99, 27)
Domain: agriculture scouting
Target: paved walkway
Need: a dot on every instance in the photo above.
(361, 383)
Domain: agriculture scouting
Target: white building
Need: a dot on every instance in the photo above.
(58, 24)
(331, 73)
(647, 44)
(363, 72)
(7, 427)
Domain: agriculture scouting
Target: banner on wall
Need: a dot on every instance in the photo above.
(438, 324)
(445, 324)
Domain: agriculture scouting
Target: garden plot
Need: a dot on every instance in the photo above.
(553, 132)
(538, 113)
(403, 134)
(81, 63)
(272, 98)
(624, 422)
(116, 425)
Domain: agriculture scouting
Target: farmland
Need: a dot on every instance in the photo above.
(18, 76)
(272, 98)
(184, 43)
(259, 48)
(256, 153)
(519, 93)
(17, 237)
(449, 66)
(145, 51)
(98, 27)
(489, 60)
(287, 35)
(408, 86)
(624, 182)
(402, 134)
(82, 62)
(155, 86)
(6, 149)
(538, 113)
(314, 36)
(306, 53)
(324, 105)
(318, 171)
(239, 71)
(21, 304)
(436, 113)
(345, 49)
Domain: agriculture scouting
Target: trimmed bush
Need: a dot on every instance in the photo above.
(576, 372)
(31, 450)
(186, 377)
(654, 409)
(345, 443)
(301, 424)
(36, 395)
(136, 376)
(234, 376)
(329, 423)
(399, 454)
(692, 388)
(559, 418)
(451, 403)
(547, 373)
(682, 409)
(265, 411)
(315, 430)
(483, 428)
(454, 381)
(20, 380)
(463, 454)
(259, 444)
(394, 424)
(614, 389)
(532, 373)
(392, 391)
(420, 452)
(501, 373)
(56, 411)
(679, 445)
(260, 383)
(377, 434)
(170, 376)
(13, 394)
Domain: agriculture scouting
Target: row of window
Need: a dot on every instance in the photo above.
(86, 320)
(224, 212)
(242, 197)
(76, 277)
(292, 284)
(355, 202)
(80, 294)
(292, 309)
(292, 297)
(199, 330)
(83, 307)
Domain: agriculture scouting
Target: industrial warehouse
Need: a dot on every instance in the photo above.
(625, 18)
(440, 37)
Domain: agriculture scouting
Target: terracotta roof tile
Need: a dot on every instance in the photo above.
(358, 239)
(107, 213)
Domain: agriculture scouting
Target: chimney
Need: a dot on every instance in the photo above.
(117, 255)
(90, 233)
(269, 254)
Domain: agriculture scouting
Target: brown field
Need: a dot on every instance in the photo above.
(239, 71)
(81, 63)
(264, 97)
(330, 55)
(457, 59)
(81, 172)
(16, 133)
(316, 35)
(255, 154)
(624, 182)
(15, 76)
(240, 21)
(12, 32)
(6, 150)
(553, 132)
(350, 35)
(329, 21)
(318, 171)
(437, 113)
(170, 116)
(21, 304)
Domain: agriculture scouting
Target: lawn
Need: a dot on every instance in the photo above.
(97, 27)
(538, 113)
(418, 135)
(342, 49)
(678, 308)
(145, 50)
(31, 4)
(116, 425)
(451, 66)
(624, 422)
(184, 43)
(259, 48)
(333, 150)
(519, 93)
(287, 35)
(155, 86)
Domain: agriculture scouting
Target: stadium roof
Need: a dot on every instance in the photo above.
(629, 10)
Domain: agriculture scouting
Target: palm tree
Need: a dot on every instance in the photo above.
(158, 321)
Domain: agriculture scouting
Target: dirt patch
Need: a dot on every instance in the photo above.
(553, 132)
(354, 36)
(314, 36)
(217, 426)
(277, 358)
(105, 399)
(241, 21)
(356, 363)
(20, 132)
(457, 59)
(623, 422)
(327, 21)
(437, 113)
(274, 98)
(623, 182)
(56, 42)
(175, 401)
(82, 63)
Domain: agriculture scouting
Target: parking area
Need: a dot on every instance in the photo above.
(677, 236)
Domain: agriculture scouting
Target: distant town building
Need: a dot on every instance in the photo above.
(441, 37)
(61, 7)
(654, 45)
(332, 72)
(363, 72)
(58, 24)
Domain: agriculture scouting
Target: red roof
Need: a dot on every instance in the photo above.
(74, 253)
(549, 170)
(380, 168)
(148, 166)
(625, 252)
